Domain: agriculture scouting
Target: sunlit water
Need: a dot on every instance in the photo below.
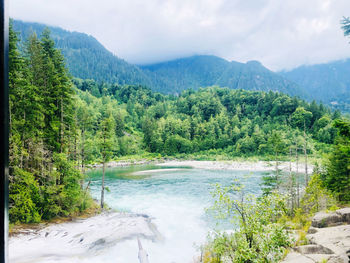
(176, 200)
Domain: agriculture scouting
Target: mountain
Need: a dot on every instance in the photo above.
(202, 71)
(329, 82)
(86, 57)
(254, 76)
(185, 73)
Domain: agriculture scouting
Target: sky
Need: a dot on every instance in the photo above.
(281, 34)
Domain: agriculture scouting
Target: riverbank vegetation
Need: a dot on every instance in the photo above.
(267, 226)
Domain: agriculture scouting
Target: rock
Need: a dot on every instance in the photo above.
(335, 238)
(345, 214)
(323, 219)
(312, 230)
(338, 259)
(314, 249)
(319, 257)
(293, 257)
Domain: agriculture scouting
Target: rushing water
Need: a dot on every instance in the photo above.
(175, 199)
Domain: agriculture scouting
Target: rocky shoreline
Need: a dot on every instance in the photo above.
(237, 165)
(214, 165)
(328, 239)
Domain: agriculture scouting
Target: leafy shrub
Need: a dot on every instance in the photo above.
(260, 236)
(316, 196)
(24, 194)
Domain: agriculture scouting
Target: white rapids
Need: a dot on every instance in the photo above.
(164, 207)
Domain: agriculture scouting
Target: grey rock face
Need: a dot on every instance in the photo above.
(345, 214)
(314, 249)
(323, 219)
(329, 239)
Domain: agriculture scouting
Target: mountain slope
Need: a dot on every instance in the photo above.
(186, 73)
(323, 82)
(254, 76)
(201, 71)
(86, 57)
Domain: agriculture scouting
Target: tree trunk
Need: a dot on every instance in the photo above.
(291, 180)
(83, 151)
(276, 169)
(297, 174)
(103, 184)
(305, 153)
(61, 141)
(21, 158)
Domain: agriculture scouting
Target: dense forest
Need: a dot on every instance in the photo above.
(59, 125)
(43, 180)
(218, 120)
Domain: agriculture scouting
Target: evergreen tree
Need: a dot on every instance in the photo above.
(337, 178)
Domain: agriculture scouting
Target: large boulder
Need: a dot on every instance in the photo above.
(324, 219)
(345, 214)
(313, 249)
(293, 257)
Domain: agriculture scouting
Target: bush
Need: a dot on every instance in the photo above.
(316, 196)
(24, 195)
(259, 238)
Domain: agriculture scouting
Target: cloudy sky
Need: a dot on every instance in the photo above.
(282, 34)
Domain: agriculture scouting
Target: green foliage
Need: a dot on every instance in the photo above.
(337, 175)
(217, 120)
(24, 197)
(316, 196)
(235, 122)
(346, 25)
(71, 179)
(301, 118)
(43, 180)
(259, 236)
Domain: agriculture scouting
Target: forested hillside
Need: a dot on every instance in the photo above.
(231, 122)
(86, 58)
(328, 82)
(202, 71)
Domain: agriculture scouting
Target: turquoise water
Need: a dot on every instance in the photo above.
(175, 198)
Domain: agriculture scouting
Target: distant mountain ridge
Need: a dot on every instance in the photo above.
(323, 82)
(89, 59)
(202, 71)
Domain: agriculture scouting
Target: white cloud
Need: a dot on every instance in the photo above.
(281, 34)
